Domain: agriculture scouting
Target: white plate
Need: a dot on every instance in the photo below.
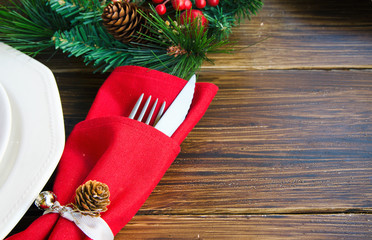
(37, 134)
(5, 121)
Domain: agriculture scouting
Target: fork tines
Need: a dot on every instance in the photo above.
(144, 109)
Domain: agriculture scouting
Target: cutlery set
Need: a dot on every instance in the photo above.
(175, 114)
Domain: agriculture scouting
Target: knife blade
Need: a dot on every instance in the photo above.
(178, 110)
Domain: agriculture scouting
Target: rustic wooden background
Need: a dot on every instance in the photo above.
(285, 149)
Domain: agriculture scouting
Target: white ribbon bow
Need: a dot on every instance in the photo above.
(94, 227)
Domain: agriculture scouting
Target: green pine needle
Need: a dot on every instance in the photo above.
(29, 25)
(75, 27)
(79, 11)
(192, 42)
(100, 49)
(220, 23)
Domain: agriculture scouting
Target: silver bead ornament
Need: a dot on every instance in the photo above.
(45, 200)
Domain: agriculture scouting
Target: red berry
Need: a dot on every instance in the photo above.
(213, 3)
(200, 3)
(178, 5)
(188, 4)
(161, 9)
(157, 1)
(190, 16)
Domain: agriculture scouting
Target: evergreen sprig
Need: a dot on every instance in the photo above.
(99, 48)
(29, 25)
(75, 27)
(191, 39)
(220, 22)
(78, 11)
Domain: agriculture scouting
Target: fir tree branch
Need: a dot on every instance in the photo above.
(28, 25)
(100, 49)
(74, 26)
(193, 42)
(79, 11)
(220, 23)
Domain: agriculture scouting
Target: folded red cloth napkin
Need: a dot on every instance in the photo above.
(129, 156)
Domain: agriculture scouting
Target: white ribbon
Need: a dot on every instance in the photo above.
(94, 227)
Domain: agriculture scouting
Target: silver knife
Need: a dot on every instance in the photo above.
(178, 110)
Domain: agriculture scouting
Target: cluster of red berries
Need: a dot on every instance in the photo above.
(180, 5)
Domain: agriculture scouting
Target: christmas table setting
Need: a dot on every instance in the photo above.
(111, 162)
(275, 143)
(125, 157)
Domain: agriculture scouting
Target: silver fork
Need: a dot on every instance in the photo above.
(144, 109)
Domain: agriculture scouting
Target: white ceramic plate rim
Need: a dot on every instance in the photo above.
(37, 134)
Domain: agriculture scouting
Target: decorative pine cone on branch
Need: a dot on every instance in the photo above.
(92, 198)
(123, 21)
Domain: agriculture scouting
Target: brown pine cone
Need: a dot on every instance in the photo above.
(123, 21)
(92, 198)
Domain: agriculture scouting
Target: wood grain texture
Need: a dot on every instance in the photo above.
(303, 34)
(285, 149)
(310, 227)
(276, 141)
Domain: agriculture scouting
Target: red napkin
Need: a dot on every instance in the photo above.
(129, 156)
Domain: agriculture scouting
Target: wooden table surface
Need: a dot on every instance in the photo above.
(284, 150)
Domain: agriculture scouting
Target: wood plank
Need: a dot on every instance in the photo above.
(280, 154)
(274, 142)
(297, 226)
(307, 34)
(266, 227)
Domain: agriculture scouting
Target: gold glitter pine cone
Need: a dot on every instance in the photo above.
(92, 198)
(123, 21)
